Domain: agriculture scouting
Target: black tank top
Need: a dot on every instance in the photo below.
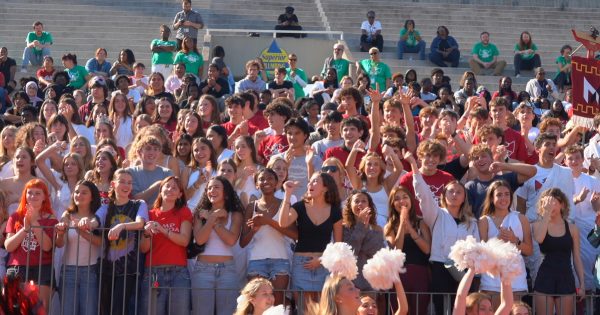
(314, 238)
(557, 250)
(414, 255)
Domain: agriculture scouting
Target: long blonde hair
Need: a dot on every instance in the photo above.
(327, 304)
(249, 291)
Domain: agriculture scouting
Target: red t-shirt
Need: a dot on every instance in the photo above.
(258, 121)
(271, 145)
(46, 75)
(436, 184)
(29, 250)
(515, 145)
(164, 251)
(342, 154)
(230, 127)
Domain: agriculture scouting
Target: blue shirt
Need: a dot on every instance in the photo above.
(92, 66)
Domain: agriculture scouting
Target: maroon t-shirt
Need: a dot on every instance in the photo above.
(341, 153)
(230, 127)
(436, 183)
(258, 121)
(515, 145)
(272, 145)
(30, 249)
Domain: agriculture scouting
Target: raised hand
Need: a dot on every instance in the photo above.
(359, 146)
(290, 186)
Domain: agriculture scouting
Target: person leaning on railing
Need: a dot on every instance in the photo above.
(29, 238)
(165, 237)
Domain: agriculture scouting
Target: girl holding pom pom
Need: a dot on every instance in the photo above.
(317, 217)
(361, 231)
(498, 221)
(448, 224)
(407, 232)
(256, 297)
(559, 240)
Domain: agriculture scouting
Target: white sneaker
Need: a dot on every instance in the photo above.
(518, 75)
(23, 70)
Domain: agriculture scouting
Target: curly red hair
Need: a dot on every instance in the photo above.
(46, 204)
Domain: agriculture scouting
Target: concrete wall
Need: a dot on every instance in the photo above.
(239, 49)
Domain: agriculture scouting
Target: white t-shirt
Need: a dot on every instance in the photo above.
(124, 134)
(133, 93)
(371, 28)
(86, 132)
(531, 190)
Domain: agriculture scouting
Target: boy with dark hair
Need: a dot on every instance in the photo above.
(257, 118)
(237, 124)
(489, 171)
(515, 144)
(296, 131)
(351, 104)
(213, 84)
(353, 129)
(332, 124)
(278, 114)
(280, 87)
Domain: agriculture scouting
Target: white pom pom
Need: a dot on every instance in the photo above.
(276, 310)
(384, 268)
(507, 258)
(470, 254)
(339, 259)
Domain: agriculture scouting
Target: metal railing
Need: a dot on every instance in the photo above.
(110, 291)
(210, 31)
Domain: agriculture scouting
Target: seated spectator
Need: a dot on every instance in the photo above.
(214, 85)
(437, 79)
(410, 41)
(397, 85)
(38, 46)
(378, 71)
(297, 76)
(467, 91)
(337, 61)
(162, 52)
(45, 73)
(323, 90)
(280, 87)
(485, 55)
(444, 48)
(526, 57)
(563, 76)
(505, 90)
(371, 33)
(122, 84)
(31, 88)
(288, 22)
(540, 87)
(99, 66)
(189, 55)
(8, 67)
(252, 81)
(124, 64)
(139, 81)
(78, 76)
(225, 73)
(174, 81)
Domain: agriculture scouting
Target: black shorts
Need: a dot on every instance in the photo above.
(41, 274)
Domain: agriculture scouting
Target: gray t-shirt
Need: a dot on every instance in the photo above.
(183, 31)
(297, 171)
(142, 179)
(320, 147)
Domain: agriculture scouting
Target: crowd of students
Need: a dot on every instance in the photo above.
(175, 189)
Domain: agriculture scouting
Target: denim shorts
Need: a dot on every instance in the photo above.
(40, 274)
(269, 268)
(305, 279)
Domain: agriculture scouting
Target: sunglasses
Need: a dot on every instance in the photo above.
(331, 168)
(293, 59)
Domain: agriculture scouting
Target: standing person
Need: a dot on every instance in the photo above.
(165, 236)
(448, 224)
(338, 62)
(410, 41)
(296, 76)
(99, 66)
(526, 56)
(37, 46)
(217, 224)
(559, 241)
(379, 72)
(189, 56)
(30, 239)
(147, 176)
(187, 23)
(162, 52)
(371, 33)
(297, 132)
(318, 216)
(406, 231)
(444, 48)
(121, 218)
(499, 221)
(79, 288)
(485, 55)
(268, 255)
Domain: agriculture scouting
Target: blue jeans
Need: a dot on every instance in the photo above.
(79, 290)
(2, 100)
(404, 48)
(33, 57)
(215, 286)
(172, 295)
(439, 60)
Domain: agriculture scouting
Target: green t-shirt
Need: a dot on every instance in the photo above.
(77, 75)
(193, 61)
(561, 61)
(412, 37)
(342, 66)
(163, 58)
(378, 72)
(298, 89)
(485, 53)
(44, 39)
(526, 56)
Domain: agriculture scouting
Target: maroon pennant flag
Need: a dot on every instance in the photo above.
(585, 75)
